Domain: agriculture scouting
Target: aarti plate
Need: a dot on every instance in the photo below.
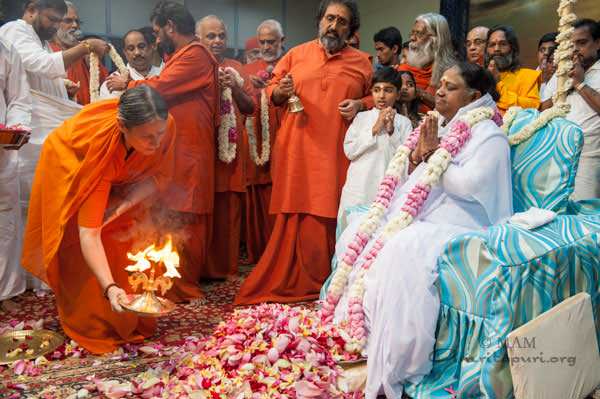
(33, 344)
(166, 306)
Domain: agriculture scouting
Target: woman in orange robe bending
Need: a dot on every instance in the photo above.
(117, 151)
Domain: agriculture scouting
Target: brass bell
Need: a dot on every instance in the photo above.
(294, 104)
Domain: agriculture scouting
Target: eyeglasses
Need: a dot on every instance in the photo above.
(419, 34)
(71, 21)
(269, 42)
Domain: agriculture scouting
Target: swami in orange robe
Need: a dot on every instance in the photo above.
(189, 85)
(79, 71)
(520, 88)
(258, 223)
(230, 186)
(308, 170)
(81, 163)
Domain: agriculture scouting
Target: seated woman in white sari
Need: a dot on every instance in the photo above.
(383, 290)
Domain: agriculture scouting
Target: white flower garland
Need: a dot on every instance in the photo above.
(95, 71)
(563, 58)
(228, 134)
(436, 166)
(250, 128)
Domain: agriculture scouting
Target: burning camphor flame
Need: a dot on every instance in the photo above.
(167, 255)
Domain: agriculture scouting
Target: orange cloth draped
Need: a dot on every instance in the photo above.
(295, 264)
(189, 85)
(258, 224)
(519, 88)
(230, 184)
(81, 163)
(79, 71)
(308, 171)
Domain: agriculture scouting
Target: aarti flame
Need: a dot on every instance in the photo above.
(166, 255)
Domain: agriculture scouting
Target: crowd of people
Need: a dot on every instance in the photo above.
(217, 153)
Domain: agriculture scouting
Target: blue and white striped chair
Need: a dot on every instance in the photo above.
(494, 281)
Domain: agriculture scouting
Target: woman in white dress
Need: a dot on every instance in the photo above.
(401, 300)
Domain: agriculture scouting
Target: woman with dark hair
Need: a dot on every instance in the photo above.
(408, 104)
(113, 152)
(386, 283)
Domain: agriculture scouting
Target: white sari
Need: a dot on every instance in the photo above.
(401, 300)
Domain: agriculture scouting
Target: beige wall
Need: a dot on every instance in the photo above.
(378, 14)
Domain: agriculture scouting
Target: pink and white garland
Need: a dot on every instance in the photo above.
(228, 134)
(250, 128)
(450, 145)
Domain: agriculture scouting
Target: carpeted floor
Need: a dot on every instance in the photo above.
(65, 377)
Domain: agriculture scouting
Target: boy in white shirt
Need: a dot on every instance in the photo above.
(371, 141)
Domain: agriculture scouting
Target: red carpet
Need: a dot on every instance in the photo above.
(62, 378)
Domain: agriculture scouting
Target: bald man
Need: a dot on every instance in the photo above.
(476, 43)
(230, 178)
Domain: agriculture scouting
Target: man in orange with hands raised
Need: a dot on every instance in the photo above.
(230, 177)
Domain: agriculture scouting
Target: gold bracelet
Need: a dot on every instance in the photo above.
(580, 86)
(87, 45)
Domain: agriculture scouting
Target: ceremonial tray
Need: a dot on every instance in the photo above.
(33, 344)
(166, 306)
(12, 138)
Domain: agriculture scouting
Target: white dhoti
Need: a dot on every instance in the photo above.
(12, 276)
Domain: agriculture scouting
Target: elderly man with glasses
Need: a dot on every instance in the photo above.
(68, 36)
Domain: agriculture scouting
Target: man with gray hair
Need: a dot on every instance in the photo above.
(270, 39)
(476, 43)
(68, 36)
(430, 53)
(258, 181)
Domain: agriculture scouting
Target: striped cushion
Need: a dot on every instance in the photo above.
(544, 166)
(494, 281)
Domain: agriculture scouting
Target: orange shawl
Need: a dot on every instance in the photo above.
(71, 164)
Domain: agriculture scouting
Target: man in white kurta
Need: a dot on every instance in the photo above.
(401, 301)
(369, 156)
(138, 53)
(585, 107)
(15, 108)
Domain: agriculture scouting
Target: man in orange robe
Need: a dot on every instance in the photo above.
(81, 163)
(79, 71)
(258, 222)
(230, 177)
(516, 85)
(188, 83)
(309, 166)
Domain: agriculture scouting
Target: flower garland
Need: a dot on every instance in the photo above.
(556, 111)
(250, 127)
(95, 71)
(450, 145)
(563, 58)
(228, 133)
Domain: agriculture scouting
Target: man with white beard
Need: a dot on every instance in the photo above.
(430, 53)
(78, 73)
(270, 39)
(15, 109)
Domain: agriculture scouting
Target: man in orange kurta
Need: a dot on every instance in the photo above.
(79, 71)
(230, 175)
(516, 85)
(81, 162)
(309, 165)
(258, 223)
(188, 83)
